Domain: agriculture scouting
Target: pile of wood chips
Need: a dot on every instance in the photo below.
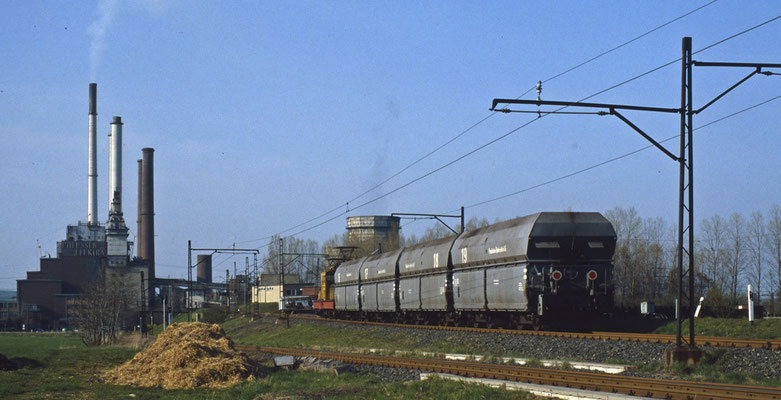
(185, 356)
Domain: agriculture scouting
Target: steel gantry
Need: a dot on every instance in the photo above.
(685, 159)
(190, 266)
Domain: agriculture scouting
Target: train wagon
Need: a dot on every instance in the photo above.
(546, 267)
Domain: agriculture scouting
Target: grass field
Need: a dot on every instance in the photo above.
(60, 366)
(308, 335)
(725, 327)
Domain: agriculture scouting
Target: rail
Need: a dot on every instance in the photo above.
(647, 387)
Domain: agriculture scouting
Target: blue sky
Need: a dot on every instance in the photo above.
(264, 115)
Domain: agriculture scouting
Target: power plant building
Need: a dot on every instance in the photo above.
(93, 253)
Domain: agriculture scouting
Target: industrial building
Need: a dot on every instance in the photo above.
(9, 311)
(93, 253)
(269, 287)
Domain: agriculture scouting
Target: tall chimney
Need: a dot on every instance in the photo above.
(92, 174)
(140, 234)
(115, 167)
(118, 248)
(147, 230)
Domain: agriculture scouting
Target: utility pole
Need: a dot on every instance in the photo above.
(235, 284)
(227, 285)
(685, 249)
(189, 277)
(246, 282)
(281, 270)
(255, 282)
(170, 303)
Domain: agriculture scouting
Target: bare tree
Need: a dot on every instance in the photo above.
(102, 308)
(756, 240)
(439, 230)
(628, 227)
(475, 223)
(294, 262)
(653, 258)
(711, 253)
(735, 254)
(774, 244)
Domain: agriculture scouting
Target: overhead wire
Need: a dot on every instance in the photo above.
(454, 138)
(527, 124)
(615, 158)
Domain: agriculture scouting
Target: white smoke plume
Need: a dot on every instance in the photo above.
(106, 11)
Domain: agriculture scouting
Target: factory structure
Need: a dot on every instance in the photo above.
(99, 253)
(94, 253)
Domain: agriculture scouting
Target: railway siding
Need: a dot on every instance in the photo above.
(646, 387)
(647, 354)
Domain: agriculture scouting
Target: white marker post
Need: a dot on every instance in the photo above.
(699, 306)
(750, 307)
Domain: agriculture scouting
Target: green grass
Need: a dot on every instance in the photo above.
(308, 335)
(711, 369)
(725, 327)
(60, 366)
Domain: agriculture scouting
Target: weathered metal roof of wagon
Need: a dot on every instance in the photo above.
(552, 224)
(508, 241)
(349, 271)
(426, 256)
(381, 265)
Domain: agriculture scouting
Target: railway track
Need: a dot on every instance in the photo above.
(646, 387)
(770, 344)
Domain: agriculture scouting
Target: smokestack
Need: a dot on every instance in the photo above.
(139, 239)
(204, 268)
(92, 174)
(147, 231)
(118, 248)
(115, 167)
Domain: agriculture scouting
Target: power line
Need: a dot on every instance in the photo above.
(451, 140)
(677, 59)
(527, 124)
(628, 42)
(615, 158)
(543, 183)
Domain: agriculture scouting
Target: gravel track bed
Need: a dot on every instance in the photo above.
(759, 362)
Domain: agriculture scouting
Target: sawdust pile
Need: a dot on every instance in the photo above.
(185, 356)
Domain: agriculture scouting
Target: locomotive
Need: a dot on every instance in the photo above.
(526, 272)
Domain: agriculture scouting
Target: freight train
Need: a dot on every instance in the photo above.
(546, 269)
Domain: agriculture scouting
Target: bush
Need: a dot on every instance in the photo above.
(213, 315)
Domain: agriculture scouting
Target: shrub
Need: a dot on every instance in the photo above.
(214, 315)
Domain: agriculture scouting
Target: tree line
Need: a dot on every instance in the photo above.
(730, 253)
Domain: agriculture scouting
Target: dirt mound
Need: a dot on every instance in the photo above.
(185, 356)
(6, 364)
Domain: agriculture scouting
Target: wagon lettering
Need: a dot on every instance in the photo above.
(497, 250)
